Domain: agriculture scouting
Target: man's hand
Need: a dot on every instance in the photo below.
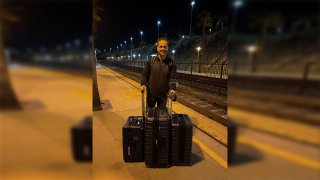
(142, 88)
(172, 92)
(173, 95)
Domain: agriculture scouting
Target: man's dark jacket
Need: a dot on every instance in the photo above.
(159, 77)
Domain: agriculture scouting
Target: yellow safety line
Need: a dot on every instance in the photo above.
(281, 153)
(213, 155)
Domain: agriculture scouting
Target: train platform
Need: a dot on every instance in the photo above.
(36, 141)
(121, 98)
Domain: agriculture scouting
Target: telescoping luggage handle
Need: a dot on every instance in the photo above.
(172, 98)
(143, 105)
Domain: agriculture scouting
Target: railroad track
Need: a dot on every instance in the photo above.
(210, 84)
(212, 105)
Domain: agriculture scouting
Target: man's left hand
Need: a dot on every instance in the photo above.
(172, 92)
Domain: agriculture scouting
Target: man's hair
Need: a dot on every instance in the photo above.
(162, 39)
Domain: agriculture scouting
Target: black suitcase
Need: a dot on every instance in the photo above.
(132, 137)
(81, 140)
(181, 139)
(132, 141)
(232, 136)
(156, 139)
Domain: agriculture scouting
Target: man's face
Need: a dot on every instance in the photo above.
(162, 47)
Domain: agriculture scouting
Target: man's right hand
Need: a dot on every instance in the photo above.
(142, 88)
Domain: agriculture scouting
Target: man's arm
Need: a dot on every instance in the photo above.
(145, 73)
(173, 75)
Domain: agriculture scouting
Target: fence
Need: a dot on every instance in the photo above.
(210, 70)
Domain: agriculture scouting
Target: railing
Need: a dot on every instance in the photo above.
(219, 71)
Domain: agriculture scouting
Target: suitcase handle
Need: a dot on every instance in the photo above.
(170, 105)
(143, 105)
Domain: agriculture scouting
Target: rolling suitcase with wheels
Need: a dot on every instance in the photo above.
(81, 140)
(157, 127)
(181, 138)
(132, 133)
(132, 138)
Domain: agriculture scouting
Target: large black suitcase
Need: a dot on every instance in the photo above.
(156, 139)
(81, 140)
(132, 137)
(132, 141)
(181, 139)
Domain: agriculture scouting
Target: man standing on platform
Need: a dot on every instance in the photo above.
(158, 76)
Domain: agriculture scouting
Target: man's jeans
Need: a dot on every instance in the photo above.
(160, 101)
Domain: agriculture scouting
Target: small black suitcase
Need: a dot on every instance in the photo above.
(81, 140)
(132, 141)
(232, 139)
(156, 138)
(181, 140)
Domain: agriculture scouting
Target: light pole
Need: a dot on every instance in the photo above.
(210, 30)
(121, 47)
(192, 4)
(159, 22)
(125, 44)
(251, 50)
(173, 51)
(236, 4)
(198, 49)
(141, 33)
(131, 47)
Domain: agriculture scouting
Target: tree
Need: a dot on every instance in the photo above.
(205, 21)
(264, 21)
(221, 22)
(96, 103)
(8, 98)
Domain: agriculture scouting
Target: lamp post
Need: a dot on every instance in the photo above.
(173, 51)
(125, 44)
(236, 4)
(159, 22)
(251, 50)
(192, 4)
(141, 33)
(131, 47)
(198, 59)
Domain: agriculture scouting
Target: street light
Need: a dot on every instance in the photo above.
(251, 50)
(131, 47)
(210, 30)
(236, 4)
(159, 22)
(198, 48)
(141, 33)
(173, 51)
(192, 4)
(125, 43)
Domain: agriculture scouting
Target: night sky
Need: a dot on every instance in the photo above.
(48, 23)
(55, 22)
(123, 19)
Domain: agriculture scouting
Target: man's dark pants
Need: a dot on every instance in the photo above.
(160, 101)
